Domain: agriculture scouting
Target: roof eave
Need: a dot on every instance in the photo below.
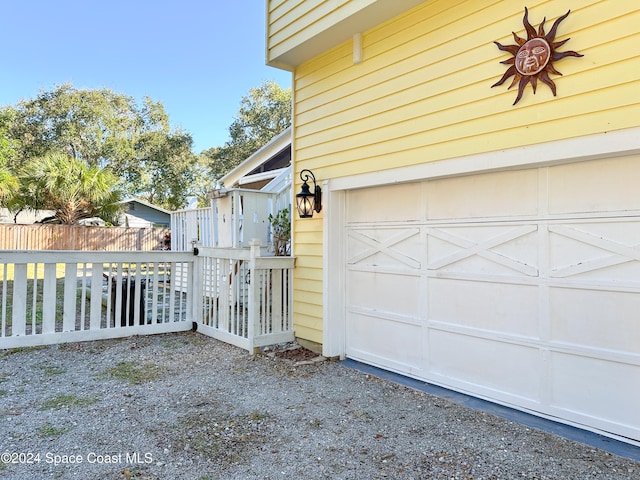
(364, 19)
(268, 151)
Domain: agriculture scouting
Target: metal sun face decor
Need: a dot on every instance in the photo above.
(533, 58)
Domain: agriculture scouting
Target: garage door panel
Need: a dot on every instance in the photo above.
(384, 204)
(399, 248)
(607, 185)
(372, 291)
(505, 194)
(492, 249)
(481, 362)
(390, 342)
(480, 266)
(497, 307)
(606, 251)
(603, 390)
(622, 274)
(597, 319)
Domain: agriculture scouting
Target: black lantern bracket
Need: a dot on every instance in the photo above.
(307, 201)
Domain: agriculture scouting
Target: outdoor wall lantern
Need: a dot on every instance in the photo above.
(308, 201)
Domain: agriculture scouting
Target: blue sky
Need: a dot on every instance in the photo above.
(197, 57)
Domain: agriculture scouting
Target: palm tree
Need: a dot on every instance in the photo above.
(70, 187)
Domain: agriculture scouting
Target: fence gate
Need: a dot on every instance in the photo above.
(244, 299)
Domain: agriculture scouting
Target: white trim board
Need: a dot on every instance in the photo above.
(603, 145)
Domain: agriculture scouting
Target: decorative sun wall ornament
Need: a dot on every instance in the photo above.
(533, 58)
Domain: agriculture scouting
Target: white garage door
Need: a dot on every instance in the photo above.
(519, 286)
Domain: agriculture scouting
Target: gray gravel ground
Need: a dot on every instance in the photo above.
(184, 406)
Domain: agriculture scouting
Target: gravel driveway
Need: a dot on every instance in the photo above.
(184, 406)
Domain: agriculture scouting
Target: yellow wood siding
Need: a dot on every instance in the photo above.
(422, 93)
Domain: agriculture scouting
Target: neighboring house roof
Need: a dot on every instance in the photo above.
(144, 214)
(263, 165)
(146, 204)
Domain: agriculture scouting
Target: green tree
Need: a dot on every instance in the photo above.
(70, 187)
(165, 171)
(8, 184)
(104, 128)
(8, 145)
(203, 180)
(264, 113)
(8, 181)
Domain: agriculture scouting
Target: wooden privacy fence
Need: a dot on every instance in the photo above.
(79, 237)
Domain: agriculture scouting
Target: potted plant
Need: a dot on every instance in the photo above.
(281, 232)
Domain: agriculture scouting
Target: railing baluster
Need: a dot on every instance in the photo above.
(95, 305)
(49, 301)
(175, 291)
(3, 332)
(126, 295)
(268, 307)
(254, 294)
(83, 295)
(166, 292)
(153, 282)
(189, 292)
(277, 299)
(34, 299)
(109, 292)
(262, 310)
(245, 295)
(119, 286)
(224, 296)
(19, 313)
(69, 304)
(137, 286)
(215, 291)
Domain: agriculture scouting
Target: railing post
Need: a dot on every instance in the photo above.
(197, 281)
(254, 294)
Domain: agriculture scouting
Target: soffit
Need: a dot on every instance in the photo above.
(364, 19)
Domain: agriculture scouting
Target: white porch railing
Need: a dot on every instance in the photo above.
(235, 217)
(246, 298)
(62, 296)
(192, 224)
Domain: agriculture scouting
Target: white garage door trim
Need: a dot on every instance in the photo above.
(335, 303)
